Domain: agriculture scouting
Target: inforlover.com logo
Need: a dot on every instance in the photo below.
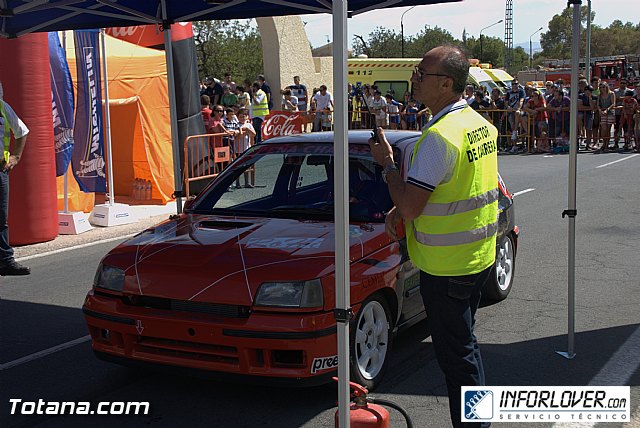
(478, 405)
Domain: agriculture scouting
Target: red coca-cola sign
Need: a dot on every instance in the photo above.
(279, 123)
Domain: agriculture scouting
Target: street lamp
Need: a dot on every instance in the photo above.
(489, 26)
(402, 30)
(531, 47)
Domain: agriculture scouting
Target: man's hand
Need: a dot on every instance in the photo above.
(381, 150)
(13, 161)
(391, 223)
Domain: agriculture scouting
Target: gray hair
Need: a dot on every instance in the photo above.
(454, 63)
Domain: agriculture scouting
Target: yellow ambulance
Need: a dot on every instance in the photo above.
(394, 74)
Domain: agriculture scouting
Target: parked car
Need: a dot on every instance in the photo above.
(243, 281)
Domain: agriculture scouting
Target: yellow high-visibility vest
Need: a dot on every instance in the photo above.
(6, 137)
(455, 234)
(262, 109)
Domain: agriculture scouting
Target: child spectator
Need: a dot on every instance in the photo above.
(289, 102)
(378, 108)
(205, 101)
(410, 116)
(242, 143)
(393, 108)
(244, 99)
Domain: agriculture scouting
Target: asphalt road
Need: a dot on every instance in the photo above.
(518, 337)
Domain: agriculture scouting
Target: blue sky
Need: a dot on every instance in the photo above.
(472, 15)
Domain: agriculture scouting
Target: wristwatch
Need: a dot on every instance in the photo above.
(387, 170)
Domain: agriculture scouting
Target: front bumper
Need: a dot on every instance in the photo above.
(267, 345)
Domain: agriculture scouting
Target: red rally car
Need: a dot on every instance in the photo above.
(242, 283)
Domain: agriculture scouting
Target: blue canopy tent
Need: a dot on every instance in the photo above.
(19, 17)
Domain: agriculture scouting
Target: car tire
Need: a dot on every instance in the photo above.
(499, 284)
(370, 342)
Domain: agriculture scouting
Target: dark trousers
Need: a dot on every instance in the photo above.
(451, 304)
(257, 125)
(6, 252)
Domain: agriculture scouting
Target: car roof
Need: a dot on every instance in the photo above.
(355, 137)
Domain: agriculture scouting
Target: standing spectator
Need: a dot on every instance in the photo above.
(561, 87)
(228, 82)
(582, 83)
(229, 99)
(299, 91)
(393, 109)
(244, 99)
(242, 143)
(498, 117)
(515, 100)
(629, 109)
(468, 94)
(267, 90)
(259, 109)
(595, 84)
(451, 240)
(587, 105)
(366, 98)
(232, 125)
(289, 102)
(205, 102)
(378, 109)
(322, 103)
(606, 104)
(9, 122)
(560, 105)
(536, 107)
(411, 115)
(217, 91)
(617, 128)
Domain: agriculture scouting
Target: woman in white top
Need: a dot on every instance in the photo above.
(378, 108)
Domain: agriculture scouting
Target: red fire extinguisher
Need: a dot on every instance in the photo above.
(366, 412)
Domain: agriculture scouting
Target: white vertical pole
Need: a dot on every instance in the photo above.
(571, 212)
(66, 173)
(105, 79)
(341, 192)
(173, 110)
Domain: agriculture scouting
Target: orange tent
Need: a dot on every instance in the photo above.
(140, 123)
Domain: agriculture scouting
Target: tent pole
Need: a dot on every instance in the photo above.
(341, 207)
(171, 87)
(105, 79)
(66, 173)
(571, 212)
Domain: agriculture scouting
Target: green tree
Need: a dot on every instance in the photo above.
(228, 46)
(382, 43)
(556, 43)
(427, 39)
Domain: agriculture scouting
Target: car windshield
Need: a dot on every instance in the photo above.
(295, 180)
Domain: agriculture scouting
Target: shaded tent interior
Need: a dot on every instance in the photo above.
(140, 123)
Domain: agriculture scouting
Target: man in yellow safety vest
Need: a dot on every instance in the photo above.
(449, 203)
(9, 122)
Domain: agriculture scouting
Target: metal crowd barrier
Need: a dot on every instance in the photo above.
(205, 156)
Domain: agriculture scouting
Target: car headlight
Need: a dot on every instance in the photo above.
(302, 294)
(109, 277)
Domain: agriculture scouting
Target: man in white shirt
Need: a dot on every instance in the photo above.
(323, 106)
(9, 122)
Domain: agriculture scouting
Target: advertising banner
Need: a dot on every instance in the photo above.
(62, 104)
(279, 123)
(88, 154)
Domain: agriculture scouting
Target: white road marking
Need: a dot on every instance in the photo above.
(522, 192)
(617, 371)
(44, 353)
(75, 247)
(619, 160)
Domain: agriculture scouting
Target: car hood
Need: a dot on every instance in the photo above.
(225, 259)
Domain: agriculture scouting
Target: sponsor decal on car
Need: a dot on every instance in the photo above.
(324, 363)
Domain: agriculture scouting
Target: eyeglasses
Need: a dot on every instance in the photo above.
(421, 73)
(219, 111)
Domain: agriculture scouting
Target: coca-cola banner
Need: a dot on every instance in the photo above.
(279, 123)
